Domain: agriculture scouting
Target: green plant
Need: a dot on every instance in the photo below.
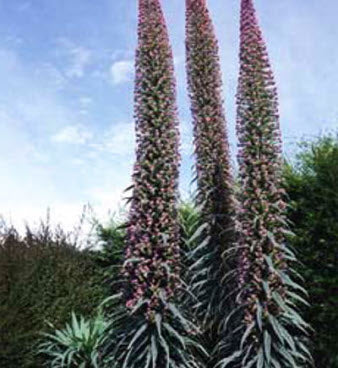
(267, 330)
(76, 345)
(43, 276)
(311, 184)
(169, 341)
(111, 240)
(189, 218)
(215, 195)
(148, 326)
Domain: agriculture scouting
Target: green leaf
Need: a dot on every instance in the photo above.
(154, 350)
(246, 334)
(259, 314)
(174, 333)
(226, 361)
(138, 334)
(260, 358)
(267, 346)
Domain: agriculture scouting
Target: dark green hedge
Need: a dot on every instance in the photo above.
(312, 185)
(43, 277)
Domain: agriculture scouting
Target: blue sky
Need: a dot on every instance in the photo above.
(66, 103)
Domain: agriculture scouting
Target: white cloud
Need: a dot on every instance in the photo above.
(85, 101)
(85, 105)
(108, 199)
(78, 58)
(52, 77)
(35, 171)
(81, 58)
(122, 71)
(118, 140)
(73, 134)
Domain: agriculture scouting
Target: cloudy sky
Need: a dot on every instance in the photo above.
(66, 84)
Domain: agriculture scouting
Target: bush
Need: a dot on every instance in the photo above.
(44, 276)
(312, 184)
(111, 239)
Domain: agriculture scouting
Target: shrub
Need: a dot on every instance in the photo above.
(43, 276)
(109, 258)
(311, 183)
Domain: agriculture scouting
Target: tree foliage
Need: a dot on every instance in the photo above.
(312, 186)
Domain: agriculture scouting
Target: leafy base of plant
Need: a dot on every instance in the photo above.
(168, 341)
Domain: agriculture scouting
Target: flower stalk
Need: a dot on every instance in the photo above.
(270, 331)
(215, 186)
(149, 328)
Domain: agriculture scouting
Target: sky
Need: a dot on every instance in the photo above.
(66, 94)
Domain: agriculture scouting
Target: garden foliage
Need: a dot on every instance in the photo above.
(149, 329)
(268, 330)
(215, 189)
(77, 344)
(43, 277)
(243, 278)
(312, 186)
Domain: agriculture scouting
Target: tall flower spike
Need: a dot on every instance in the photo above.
(213, 169)
(149, 329)
(152, 235)
(270, 332)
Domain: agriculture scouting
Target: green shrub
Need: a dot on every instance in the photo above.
(111, 239)
(312, 185)
(43, 277)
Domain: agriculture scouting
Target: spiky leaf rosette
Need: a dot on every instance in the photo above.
(269, 331)
(149, 329)
(213, 169)
(134, 342)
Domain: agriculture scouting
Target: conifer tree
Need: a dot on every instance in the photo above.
(268, 331)
(149, 330)
(215, 194)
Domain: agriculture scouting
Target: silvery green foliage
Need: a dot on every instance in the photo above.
(167, 342)
(76, 345)
(215, 196)
(149, 330)
(266, 329)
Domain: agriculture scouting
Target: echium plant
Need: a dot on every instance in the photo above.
(149, 328)
(152, 252)
(269, 331)
(215, 194)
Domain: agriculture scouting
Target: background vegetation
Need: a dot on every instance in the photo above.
(45, 276)
(312, 185)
